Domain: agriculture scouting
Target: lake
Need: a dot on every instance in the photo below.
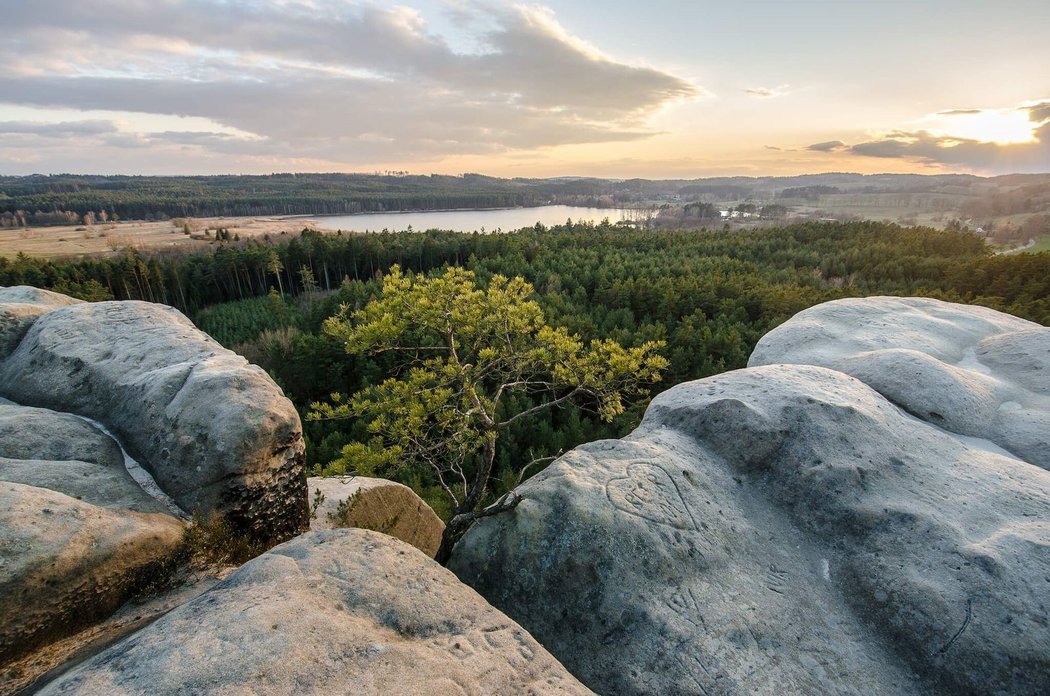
(498, 220)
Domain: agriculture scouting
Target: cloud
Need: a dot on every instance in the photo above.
(332, 81)
(924, 147)
(768, 92)
(957, 152)
(828, 146)
(1039, 112)
(63, 129)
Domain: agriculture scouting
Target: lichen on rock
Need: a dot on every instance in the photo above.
(376, 504)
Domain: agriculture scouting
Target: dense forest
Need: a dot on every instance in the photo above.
(71, 199)
(709, 295)
(65, 199)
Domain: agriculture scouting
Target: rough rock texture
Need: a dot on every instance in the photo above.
(64, 453)
(72, 546)
(215, 432)
(65, 563)
(339, 611)
(376, 504)
(19, 307)
(970, 370)
(780, 529)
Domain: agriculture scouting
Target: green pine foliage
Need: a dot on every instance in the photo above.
(472, 361)
(234, 323)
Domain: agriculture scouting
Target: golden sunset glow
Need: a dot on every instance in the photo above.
(1002, 126)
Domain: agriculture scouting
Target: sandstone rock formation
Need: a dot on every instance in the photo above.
(970, 370)
(215, 432)
(339, 611)
(73, 543)
(65, 563)
(787, 529)
(66, 454)
(376, 504)
(82, 527)
(19, 307)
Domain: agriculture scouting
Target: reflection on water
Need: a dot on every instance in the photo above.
(502, 220)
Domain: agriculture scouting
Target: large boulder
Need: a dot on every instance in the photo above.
(970, 370)
(376, 504)
(780, 529)
(65, 562)
(19, 308)
(339, 611)
(216, 433)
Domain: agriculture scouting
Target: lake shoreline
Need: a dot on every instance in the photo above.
(444, 210)
(468, 220)
(188, 233)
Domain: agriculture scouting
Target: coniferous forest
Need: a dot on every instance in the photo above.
(66, 199)
(709, 295)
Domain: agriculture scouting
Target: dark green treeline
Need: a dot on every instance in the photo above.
(66, 199)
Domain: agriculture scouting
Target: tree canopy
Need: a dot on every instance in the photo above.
(710, 295)
(463, 354)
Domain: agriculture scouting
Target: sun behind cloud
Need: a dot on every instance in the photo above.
(1000, 126)
(1013, 139)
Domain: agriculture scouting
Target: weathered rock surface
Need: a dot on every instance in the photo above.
(72, 546)
(215, 432)
(19, 307)
(64, 453)
(376, 504)
(970, 370)
(81, 527)
(339, 611)
(65, 563)
(780, 529)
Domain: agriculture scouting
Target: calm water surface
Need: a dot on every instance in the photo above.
(502, 220)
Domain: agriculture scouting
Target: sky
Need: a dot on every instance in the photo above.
(610, 88)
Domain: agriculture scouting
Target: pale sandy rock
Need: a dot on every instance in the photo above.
(40, 433)
(970, 370)
(27, 294)
(72, 547)
(330, 612)
(79, 533)
(780, 529)
(19, 307)
(64, 453)
(376, 504)
(65, 563)
(216, 433)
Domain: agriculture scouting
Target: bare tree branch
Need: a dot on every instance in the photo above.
(538, 460)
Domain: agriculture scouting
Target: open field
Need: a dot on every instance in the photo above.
(1041, 244)
(108, 238)
(933, 210)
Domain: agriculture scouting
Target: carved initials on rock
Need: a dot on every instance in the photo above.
(648, 491)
